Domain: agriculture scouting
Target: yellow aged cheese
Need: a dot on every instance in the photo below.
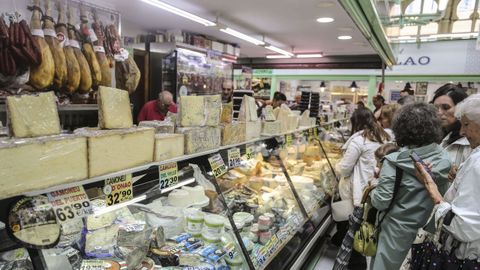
(114, 108)
(168, 146)
(233, 133)
(227, 113)
(199, 139)
(271, 128)
(200, 110)
(38, 163)
(253, 130)
(114, 150)
(33, 116)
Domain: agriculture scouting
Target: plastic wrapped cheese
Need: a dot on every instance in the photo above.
(233, 133)
(33, 116)
(200, 110)
(114, 150)
(199, 139)
(114, 109)
(38, 163)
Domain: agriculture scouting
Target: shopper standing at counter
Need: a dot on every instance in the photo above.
(445, 100)
(460, 205)
(416, 127)
(357, 168)
(158, 109)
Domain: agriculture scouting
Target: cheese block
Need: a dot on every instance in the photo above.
(233, 133)
(200, 110)
(248, 109)
(114, 150)
(37, 163)
(159, 126)
(269, 114)
(306, 120)
(199, 139)
(292, 121)
(253, 130)
(282, 117)
(271, 128)
(33, 116)
(101, 241)
(227, 113)
(114, 108)
(168, 146)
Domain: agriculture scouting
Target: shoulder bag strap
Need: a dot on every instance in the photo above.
(398, 179)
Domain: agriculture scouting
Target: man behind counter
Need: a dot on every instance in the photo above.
(158, 109)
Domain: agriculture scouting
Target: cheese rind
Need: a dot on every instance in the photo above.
(114, 108)
(115, 150)
(227, 113)
(233, 133)
(159, 126)
(33, 116)
(248, 109)
(200, 110)
(168, 146)
(199, 139)
(271, 128)
(38, 163)
(253, 130)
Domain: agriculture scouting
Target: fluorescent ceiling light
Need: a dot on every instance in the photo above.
(240, 35)
(454, 35)
(278, 50)
(344, 37)
(277, 56)
(325, 20)
(229, 60)
(310, 55)
(179, 12)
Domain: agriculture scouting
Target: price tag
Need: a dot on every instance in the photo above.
(249, 152)
(168, 175)
(118, 189)
(92, 265)
(234, 157)
(70, 203)
(218, 165)
(288, 140)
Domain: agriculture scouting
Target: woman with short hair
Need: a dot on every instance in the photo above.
(416, 128)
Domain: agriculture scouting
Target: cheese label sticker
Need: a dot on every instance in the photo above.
(218, 165)
(93, 265)
(234, 158)
(288, 140)
(118, 189)
(168, 175)
(249, 152)
(70, 203)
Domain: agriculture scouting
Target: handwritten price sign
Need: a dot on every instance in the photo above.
(218, 165)
(70, 203)
(168, 175)
(118, 189)
(234, 157)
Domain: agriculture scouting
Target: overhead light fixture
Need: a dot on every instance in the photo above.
(277, 56)
(240, 35)
(344, 37)
(229, 60)
(322, 86)
(310, 55)
(353, 86)
(278, 50)
(325, 20)
(179, 12)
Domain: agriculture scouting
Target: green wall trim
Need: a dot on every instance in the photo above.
(372, 91)
(431, 78)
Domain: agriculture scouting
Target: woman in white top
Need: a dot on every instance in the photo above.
(357, 168)
(445, 100)
(461, 200)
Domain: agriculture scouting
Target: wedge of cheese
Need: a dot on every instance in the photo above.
(159, 126)
(271, 128)
(33, 116)
(253, 130)
(269, 115)
(114, 109)
(305, 119)
(248, 109)
(114, 150)
(200, 110)
(282, 117)
(199, 139)
(227, 113)
(168, 146)
(37, 163)
(292, 121)
(233, 133)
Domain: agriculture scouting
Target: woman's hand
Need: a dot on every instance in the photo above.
(453, 173)
(427, 180)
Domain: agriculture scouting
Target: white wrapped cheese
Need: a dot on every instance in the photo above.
(253, 130)
(199, 139)
(271, 128)
(159, 126)
(248, 109)
(38, 163)
(168, 146)
(114, 150)
(114, 109)
(33, 116)
(233, 133)
(200, 111)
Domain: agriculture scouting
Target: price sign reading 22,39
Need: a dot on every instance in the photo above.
(168, 175)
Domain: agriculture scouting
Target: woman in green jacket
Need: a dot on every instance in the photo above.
(416, 128)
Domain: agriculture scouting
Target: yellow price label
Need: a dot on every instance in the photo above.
(249, 152)
(288, 140)
(168, 175)
(218, 165)
(118, 189)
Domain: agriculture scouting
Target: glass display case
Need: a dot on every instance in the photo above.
(253, 205)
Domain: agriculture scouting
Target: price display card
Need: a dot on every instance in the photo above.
(168, 175)
(70, 203)
(288, 140)
(218, 165)
(118, 189)
(234, 158)
(93, 265)
(249, 152)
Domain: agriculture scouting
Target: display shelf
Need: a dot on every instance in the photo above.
(66, 108)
